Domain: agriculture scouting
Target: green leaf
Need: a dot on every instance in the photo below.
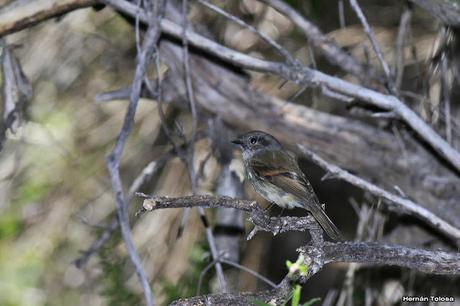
(311, 302)
(296, 295)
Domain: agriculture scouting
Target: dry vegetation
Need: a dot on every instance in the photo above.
(312, 78)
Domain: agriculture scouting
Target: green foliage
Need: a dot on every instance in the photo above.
(33, 189)
(298, 266)
(9, 225)
(311, 302)
(188, 284)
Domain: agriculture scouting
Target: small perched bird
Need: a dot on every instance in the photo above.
(276, 176)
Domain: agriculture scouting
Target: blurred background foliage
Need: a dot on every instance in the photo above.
(55, 194)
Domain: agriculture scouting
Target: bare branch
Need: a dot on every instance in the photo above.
(267, 39)
(307, 75)
(191, 150)
(445, 96)
(371, 253)
(393, 201)
(321, 42)
(16, 91)
(447, 11)
(316, 255)
(113, 160)
(370, 34)
(257, 215)
(425, 261)
(404, 25)
(146, 173)
(23, 14)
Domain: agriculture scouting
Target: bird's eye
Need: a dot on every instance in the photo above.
(253, 140)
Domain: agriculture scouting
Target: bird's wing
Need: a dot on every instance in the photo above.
(283, 171)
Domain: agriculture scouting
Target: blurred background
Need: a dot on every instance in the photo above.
(55, 192)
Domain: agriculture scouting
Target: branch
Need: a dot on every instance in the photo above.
(305, 75)
(371, 253)
(370, 34)
(393, 201)
(434, 262)
(447, 11)
(310, 76)
(257, 215)
(23, 14)
(267, 39)
(322, 43)
(113, 160)
(191, 150)
(146, 173)
(316, 254)
(16, 91)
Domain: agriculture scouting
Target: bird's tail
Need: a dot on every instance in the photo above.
(320, 215)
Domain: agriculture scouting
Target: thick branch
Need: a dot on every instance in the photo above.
(447, 11)
(309, 76)
(23, 14)
(261, 220)
(370, 253)
(393, 201)
(324, 45)
(227, 95)
(306, 75)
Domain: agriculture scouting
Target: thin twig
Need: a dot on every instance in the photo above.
(281, 50)
(311, 76)
(250, 271)
(113, 160)
(445, 97)
(146, 173)
(341, 14)
(404, 24)
(327, 47)
(318, 253)
(191, 149)
(370, 34)
(393, 201)
(235, 265)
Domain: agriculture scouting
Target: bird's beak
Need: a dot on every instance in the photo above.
(237, 142)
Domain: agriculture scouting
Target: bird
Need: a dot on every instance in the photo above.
(276, 176)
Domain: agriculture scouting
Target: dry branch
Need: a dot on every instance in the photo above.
(305, 75)
(113, 160)
(393, 201)
(23, 14)
(324, 45)
(234, 101)
(309, 76)
(447, 11)
(316, 254)
(260, 219)
(434, 262)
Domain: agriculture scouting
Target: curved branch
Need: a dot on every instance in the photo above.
(308, 76)
(315, 255)
(23, 14)
(426, 261)
(393, 201)
(371, 253)
(304, 75)
(326, 46)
